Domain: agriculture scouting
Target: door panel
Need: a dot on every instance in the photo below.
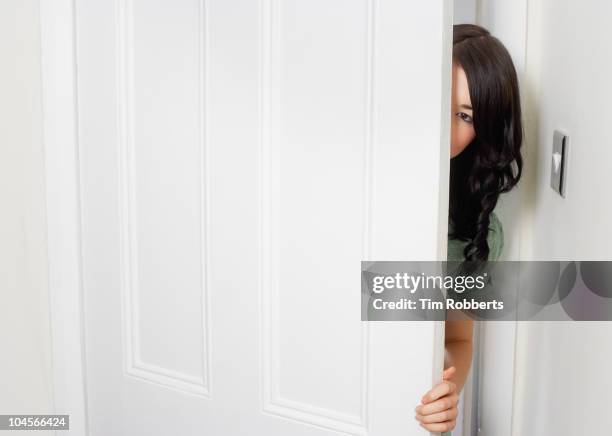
(237, 160)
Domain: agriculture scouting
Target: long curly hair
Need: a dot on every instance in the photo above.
(492, 163)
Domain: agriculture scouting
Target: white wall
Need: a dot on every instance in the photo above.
(563, 381)
(464, 11)
(25, 368)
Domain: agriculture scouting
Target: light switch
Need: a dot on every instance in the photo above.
(559, 162)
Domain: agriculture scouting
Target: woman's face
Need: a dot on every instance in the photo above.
(462, 123)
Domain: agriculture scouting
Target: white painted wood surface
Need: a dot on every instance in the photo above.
(236, 160)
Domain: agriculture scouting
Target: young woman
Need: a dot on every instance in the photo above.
(486, 137)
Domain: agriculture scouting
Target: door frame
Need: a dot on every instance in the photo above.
(60, 144)
(520, 13)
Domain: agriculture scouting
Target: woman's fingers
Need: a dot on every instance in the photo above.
(438, 410)
(443, 388)
(445, 415)
(436, 406)
(440, 426)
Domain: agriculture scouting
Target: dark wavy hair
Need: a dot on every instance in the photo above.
(492, 163)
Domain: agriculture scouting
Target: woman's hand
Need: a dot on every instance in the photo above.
(438, 409)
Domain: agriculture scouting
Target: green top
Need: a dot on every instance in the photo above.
(495, 240)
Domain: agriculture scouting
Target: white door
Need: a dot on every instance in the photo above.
(238, 159)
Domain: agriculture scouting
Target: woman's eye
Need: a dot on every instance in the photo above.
(465, 117)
